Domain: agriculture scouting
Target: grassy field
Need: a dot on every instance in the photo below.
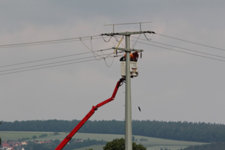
(15, 135)
(150, 143)
(100, 147)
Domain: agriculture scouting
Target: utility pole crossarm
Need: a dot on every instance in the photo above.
(124, 49)
(128, 33)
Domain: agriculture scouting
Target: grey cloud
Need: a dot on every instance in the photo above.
(171, 85)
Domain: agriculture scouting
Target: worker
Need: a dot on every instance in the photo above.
(135, 56)
(131, 56)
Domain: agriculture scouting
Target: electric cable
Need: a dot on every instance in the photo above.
(104, 49)
(46, 59)
(48, 42)
(136, 41)
(49, 66)
(107, 64)
(183, 52)
(91, 49)
(45, 67)
(191, 42)
(46, 64)
(184, 48)
(95, 54)
(147, 37)
(106, 40)
(118, 41)
(114, 52)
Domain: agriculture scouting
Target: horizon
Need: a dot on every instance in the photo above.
(115, 120)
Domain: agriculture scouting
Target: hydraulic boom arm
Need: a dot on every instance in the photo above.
(91, 112)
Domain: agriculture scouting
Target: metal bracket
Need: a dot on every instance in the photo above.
(124, 49)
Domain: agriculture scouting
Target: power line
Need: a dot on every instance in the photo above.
(49, 41)
(48, 63)
(107, 40)
(184, 48)
(44, 67)
(91, 49)
(49, 59)
(191, 42)
(50, 66)
(136, 41)
(183, 52)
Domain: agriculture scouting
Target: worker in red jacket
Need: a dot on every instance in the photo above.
(135, 56)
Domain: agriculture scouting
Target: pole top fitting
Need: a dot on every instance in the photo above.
(127, 33)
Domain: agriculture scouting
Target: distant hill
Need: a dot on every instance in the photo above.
(213, 146)
(187, 131)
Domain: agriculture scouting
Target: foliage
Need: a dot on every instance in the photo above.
(43, 135)
(119, 144)
(185, 131)
(34, 137)
(213, 146)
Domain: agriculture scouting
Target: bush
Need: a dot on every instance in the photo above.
(119, 144)
(43, 135)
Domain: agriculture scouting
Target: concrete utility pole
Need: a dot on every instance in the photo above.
(128, 112)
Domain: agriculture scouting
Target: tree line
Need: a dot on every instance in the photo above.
(187, 131)
(213, 146)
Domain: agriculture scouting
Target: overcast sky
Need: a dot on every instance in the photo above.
(171, 86)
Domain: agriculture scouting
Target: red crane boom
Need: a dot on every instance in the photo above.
(91, 112)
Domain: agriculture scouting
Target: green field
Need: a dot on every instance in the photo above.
(150, 143)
